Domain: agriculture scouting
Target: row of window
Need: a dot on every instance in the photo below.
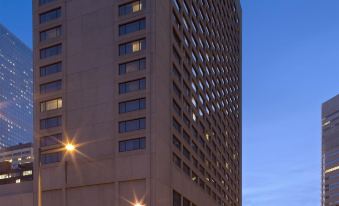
(179, 200)
(134, 85)
(124, 146)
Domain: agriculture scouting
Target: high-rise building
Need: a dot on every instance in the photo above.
(148, 92)
(330, 152)
(16, 90)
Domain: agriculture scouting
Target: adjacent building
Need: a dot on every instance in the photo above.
(148, 92)
(16, 164)
(16, 175)
(16, 90)
(330, 152)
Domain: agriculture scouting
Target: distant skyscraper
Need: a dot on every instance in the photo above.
(330, 152)
(150, 90)
(16, 90)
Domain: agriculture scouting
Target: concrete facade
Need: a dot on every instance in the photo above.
(150, 94)
(330, 152)
(17, 194)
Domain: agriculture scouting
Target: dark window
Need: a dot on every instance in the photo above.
(50, 15)
(186, 202)
(176, 125)
(176, 160)
(42, 2)
(132, 86)
(132, 144)
(132, 47)
(50, 122)
(186, 153)
(132, 7)
(50, 158)
(133, 105)
(176, 199)
(50, 140)
(131, 27)
(176, 108)
(176, 90)
(132, 66)
(186, 169)
(50, 33)
(176, 143)
(186, 137)
(50, 51)
(50, 87)
(50, 69)
(132, 125)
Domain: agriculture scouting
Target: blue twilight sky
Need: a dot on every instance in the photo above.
(290, 66)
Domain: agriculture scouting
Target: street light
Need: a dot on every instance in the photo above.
(69, 147)
(138, 204)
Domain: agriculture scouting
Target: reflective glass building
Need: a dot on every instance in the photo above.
(16, 81)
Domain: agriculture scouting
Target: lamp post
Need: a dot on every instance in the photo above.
(69, 148)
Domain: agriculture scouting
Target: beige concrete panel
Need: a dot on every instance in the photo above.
(87, 173)
(101, 195)
(52, 198)
(132, 166)
(52, 176)
(24, 199)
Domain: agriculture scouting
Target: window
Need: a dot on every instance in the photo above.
(50, 158)
(51, 105)
(132, 47)
(132, 86)
(186, 169)
(132, 125)
(176, 199)
(176, 4)
(50, 33)
(27, 173)
(176, 160)
(50, 69)
(50, 122)
(176, 142)
(133, 105)
(131, 27)
(50, 140)
(186, 202)
(42, 2)
(176, 125)
(132, 66)
(50, 15)
(186, 153)
(131, 7)
(132, 144)
(50, 87)
(50, 51)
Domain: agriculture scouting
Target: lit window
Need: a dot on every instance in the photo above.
(17, 181)
(131, 7)
(4, 176)
(27, 173)
(51, 105)
(132, 47)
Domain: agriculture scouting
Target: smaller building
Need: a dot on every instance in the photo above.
(16, 164)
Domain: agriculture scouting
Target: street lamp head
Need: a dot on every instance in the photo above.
(138, 204)
(69, 147)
